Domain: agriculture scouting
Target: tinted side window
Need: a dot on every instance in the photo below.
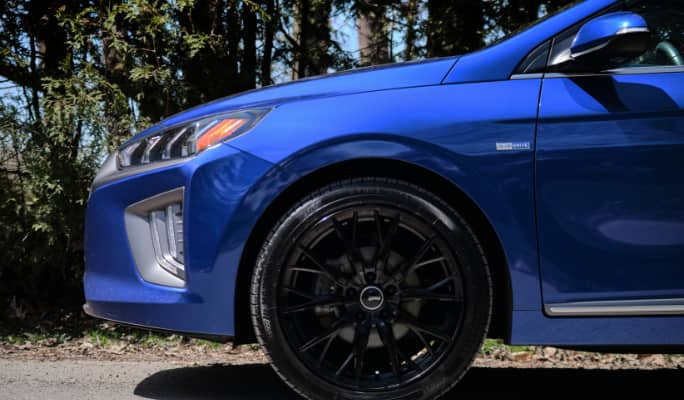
(665, 18)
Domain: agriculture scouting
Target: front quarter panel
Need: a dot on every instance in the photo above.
(452, 130)
(214, 184)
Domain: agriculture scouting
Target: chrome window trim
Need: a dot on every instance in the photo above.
(661, 69)
(534, 75)
(640, 307)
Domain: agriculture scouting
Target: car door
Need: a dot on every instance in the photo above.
(610, 178)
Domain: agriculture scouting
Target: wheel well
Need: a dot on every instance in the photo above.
(501, 316)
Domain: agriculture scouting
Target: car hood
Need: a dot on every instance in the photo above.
(392, 76)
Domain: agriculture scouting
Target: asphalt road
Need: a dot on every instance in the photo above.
(70, 380)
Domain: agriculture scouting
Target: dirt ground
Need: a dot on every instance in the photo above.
(69, 359)
(492, 355)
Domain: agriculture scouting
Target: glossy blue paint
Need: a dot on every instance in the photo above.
(449, 129)
(610, 193)
(533, 328)
(383, 77)
(595, 213)
(599, 31)
(215, 182)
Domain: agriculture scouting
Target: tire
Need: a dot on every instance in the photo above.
(371, 288)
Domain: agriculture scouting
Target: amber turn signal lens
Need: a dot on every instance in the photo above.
(219, 131)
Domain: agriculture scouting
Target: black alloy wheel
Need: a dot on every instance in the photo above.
(371, 289)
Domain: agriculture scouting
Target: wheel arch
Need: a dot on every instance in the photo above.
(500, 326)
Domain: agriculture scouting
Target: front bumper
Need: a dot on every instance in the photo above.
(215, 194)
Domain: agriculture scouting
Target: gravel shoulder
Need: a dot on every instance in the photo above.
(110, 363)
(493, 354)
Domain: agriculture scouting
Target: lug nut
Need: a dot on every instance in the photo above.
(391, 290)
(370, 277)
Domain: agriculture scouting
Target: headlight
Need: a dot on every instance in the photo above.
(188, 139)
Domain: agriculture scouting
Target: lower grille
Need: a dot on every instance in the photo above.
(166, 229)
(155, 234)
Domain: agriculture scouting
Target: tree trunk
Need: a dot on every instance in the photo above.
(313, 37)
(410, 12)
(269, 26)
(374, 46)
(248, 65)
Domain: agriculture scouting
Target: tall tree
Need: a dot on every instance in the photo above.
(373, 32)
(270, 18)
(312, 45)
(210, 68)
(513, 15)
(409, 11)
(248, 66)
(454, 27)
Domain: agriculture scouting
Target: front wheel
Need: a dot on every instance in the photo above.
(371, 288)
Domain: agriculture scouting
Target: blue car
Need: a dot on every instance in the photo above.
(371, 228)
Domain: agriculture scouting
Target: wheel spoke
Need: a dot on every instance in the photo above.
(318, 272)
(361, 336)
(411, 321)
(424, 263)
(387, 336)
(325, 350)
(403, 269)
(318, 302)
(385, 240)
(424, 294)
(299, 293)
(345, 363)
(351, 248)
(422, 339)
(309, 270)
(332, 275)
(429, 293)
(441, 283)
(332, 332)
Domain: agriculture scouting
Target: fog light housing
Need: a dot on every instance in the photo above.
(155, 234)
(166, 229)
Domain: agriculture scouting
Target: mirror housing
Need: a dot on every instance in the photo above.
(606, 42)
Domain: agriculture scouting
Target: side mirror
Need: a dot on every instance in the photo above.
(606, 42)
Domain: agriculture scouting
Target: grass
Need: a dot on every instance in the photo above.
(107, 334)
(104, 336)
(490, 345)
(65, 328)
(75, 327)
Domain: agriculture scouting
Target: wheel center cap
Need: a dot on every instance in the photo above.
(372, 298)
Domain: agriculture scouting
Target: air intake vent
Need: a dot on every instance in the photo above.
(166, 229)
(155, 234)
